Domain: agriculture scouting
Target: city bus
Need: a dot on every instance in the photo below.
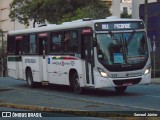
(85, 53)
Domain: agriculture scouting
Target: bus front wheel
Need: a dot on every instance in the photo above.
(120, 89)
(76, 84)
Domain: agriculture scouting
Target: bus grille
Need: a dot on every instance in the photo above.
(127, 81)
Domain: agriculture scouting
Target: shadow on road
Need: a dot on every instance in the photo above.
(105, 92)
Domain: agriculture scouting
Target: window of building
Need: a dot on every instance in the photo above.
(125, 9)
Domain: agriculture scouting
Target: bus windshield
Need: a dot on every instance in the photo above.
(122, 48)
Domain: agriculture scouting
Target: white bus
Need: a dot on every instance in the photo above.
(109, 52)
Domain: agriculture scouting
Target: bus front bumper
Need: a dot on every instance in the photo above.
(101, 82)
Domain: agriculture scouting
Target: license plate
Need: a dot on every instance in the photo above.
(127, 84)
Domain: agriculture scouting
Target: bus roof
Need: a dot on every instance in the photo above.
(86, 22)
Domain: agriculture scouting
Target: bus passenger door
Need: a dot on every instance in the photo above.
(18, 58)
(43, 59)
(87, 56)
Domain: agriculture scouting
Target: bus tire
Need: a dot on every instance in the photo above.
(76, 84)
(29, 78)
(120, 89)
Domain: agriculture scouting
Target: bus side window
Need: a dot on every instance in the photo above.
(11, 45)
(32, 44)
(55, 45)
(70, 41)
(26, 44)
(19, 44)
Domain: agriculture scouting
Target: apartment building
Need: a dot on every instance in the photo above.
(5, 22)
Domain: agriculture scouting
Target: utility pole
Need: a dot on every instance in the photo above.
(146, 13)
(154, 56)
(2, 66)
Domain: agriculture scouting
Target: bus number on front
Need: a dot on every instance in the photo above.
(114, 75)
(105, 26)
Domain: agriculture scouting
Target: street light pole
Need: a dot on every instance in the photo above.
(146, 13)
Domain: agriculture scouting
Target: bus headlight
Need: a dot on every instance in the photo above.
(147, 71)
(102, 73)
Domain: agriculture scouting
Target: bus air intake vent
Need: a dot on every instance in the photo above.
(127, 81)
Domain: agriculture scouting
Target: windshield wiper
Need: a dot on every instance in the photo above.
(131, 36)
(112, 35)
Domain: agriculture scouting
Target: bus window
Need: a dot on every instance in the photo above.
(71, 41)
(56, 39)
(11, 45)
(29, 44)
(26, 44)
(18, 49)
(32, 44)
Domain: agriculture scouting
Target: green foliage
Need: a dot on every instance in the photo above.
(56, 11)
(91, 11)
(3, 43)
(125, 15)
(25, 10)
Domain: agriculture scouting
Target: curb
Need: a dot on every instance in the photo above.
(155, 80)
(66, 111)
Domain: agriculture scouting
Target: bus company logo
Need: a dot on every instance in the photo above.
(6, 114)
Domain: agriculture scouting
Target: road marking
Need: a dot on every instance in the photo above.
(153, 96)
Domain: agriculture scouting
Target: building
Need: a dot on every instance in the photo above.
(119, 6)
(5, 22)
(126, 6)
(135, 6)
(153, 32)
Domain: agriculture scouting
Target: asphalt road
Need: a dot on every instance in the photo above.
(139, 98)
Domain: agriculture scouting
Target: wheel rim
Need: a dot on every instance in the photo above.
(29, 81)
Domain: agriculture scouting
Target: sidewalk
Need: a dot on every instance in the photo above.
(156, 80)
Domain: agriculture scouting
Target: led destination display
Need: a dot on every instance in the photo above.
(125, 25)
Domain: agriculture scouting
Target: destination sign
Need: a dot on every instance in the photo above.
(123, 25)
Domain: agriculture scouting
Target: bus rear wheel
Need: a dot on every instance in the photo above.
(29, 78)
(76, 84)
(120, 89)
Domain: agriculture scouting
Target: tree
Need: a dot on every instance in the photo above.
(55, 11)
(125, 15)
(3, 45)
(26, 10)
(87, 12)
